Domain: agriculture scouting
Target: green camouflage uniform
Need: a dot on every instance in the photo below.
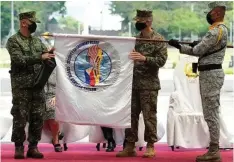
(211, 81)
(28, 104)
(146, 85)
(145, 88)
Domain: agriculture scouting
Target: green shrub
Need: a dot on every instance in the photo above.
(229, 71)
(4, 65)
(174, 65)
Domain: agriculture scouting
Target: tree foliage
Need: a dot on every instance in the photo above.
(44, 10)
(70, 24)
(170, 16)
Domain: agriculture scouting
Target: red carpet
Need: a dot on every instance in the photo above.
(88, 153)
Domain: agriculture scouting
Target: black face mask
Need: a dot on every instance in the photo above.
(32, 27)
(140, 26)
(209, 19)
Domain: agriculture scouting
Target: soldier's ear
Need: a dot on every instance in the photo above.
(221, 13)
(148, 23)
(23, 23)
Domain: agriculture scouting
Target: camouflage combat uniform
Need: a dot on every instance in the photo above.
(50, 89)
(28, 103)
(145, 88)
(211, 81)
(146, 85)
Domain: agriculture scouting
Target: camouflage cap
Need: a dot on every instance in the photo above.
(29, 15)
(215, 4)
(143, 15)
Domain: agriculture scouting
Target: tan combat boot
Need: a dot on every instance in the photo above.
(34, 153)
(213, 155)
(149, 151)
(128, 151)
(19, 152)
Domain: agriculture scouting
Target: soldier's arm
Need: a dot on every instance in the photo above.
(160, 57)
(17, 56)
(208, 42)
(52, 82)
(44, 48)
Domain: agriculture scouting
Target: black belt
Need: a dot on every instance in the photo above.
(209, 67)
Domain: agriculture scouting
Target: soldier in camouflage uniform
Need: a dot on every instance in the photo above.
(210, 50)
(26, 53)
(148, 58)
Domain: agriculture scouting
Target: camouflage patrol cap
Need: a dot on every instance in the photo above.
(29, 15)
(143, 15)
(213, 5)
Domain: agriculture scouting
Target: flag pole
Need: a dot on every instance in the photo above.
(139, 39)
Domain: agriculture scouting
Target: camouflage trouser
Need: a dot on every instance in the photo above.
(145, 101)
(28, 106)
(211, 83)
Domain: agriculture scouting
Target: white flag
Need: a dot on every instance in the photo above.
(94, 80)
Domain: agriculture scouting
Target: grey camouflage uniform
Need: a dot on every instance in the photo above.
(28, 104)
(210, 50)
(211, 81)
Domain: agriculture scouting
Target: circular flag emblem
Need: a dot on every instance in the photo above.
(93, 65)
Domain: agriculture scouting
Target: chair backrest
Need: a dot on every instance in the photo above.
(5, 83)
(187, 85)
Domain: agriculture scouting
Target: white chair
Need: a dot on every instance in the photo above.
(5, 103)
(186, 126)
